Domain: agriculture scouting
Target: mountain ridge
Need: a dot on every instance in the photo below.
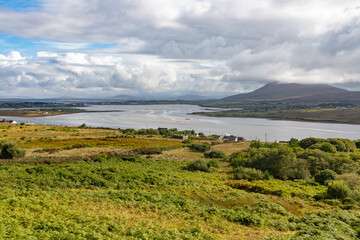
(295, 92)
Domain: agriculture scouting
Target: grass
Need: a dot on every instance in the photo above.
(331, 115)
(39, 112)
(61, 192)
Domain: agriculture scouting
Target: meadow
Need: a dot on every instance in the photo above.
(326, 115)
(98, 183)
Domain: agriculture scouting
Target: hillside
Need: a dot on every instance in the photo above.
(97, 183)
(294, 92)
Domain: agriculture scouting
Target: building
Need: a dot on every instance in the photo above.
(232, 138)
(182, 137)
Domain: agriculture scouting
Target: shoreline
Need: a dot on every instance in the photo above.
(278, 119)
(42, 113)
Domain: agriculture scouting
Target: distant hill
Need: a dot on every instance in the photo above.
(294, 92)
(190, 98)
(124, 98)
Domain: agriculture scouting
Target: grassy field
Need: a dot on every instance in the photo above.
(39, 112)
(63, 191)
(331, 115)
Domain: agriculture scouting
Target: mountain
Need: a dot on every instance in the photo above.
(190, 98)
(294, 92)
(124, 98)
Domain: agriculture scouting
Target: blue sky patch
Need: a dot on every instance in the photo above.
(10, 43)
(28, 47)
(20, 5)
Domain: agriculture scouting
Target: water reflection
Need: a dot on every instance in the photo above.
(176, 116)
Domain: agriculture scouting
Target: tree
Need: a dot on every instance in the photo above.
(294, 142)
(10, 150)
(324, 176)
(324, 146)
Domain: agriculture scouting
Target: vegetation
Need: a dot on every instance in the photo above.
(299, 113)
(200, 147)
(10, 150)
(98, 183)
(215, 154)
(324, 176)
(248, 173)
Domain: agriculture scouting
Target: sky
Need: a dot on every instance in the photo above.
(102, 48)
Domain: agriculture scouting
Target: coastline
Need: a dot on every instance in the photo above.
(44, 113)
(204, 114)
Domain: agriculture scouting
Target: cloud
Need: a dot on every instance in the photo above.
(160, 46)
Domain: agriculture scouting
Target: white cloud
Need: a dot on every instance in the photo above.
(177, 46)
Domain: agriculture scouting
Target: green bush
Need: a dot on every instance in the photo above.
(215, 154)
(186, 141)
(203, 166)
(294, 142)
(307, 142)
(199, 165)
(281, 163)
(148, 150)
(256, 144)
(338, 189)
(200, 147)
(340, 145)
(317, 160)
(248, 173)
(10, 150)
(357, 143)
(324, 176)
(213, 164)
(352, 179)
(324, 146)
(350, 145)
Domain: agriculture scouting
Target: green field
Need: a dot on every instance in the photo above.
(105, 189)
(330, 115)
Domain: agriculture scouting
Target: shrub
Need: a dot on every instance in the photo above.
(129, 131)
(148, 150)
(324, 146)
(272, 145)
(187, 141)
(280, 162)
(213, 163)
(199, 165)
(248, 173)
(293, 142)
(357, 143)
(10, 150)
(200, 147)
(215, 154)
(350, 145)
(352, 179)
(256, 144)
(338, 189)
(128, 158)
(237, 159)
(340, 145)
(317, 160)
(324, 176)
(307, 142)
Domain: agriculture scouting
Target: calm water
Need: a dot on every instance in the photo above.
(176, 116)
